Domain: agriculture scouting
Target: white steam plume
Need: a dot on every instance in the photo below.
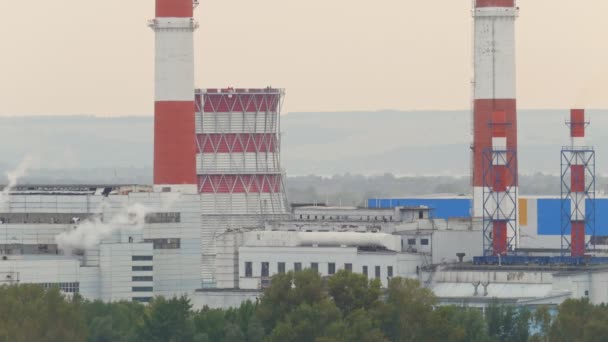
(89, 233)
(14, 176)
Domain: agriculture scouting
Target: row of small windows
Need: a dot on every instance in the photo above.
(163, 218)
(73, 287)
(297, 266)
(164, 243)
(43, 218)
(142, 289)
(142, 278)
(423, 242)
(142, 299)
(142, 268)
(347, 218)
(141, 258)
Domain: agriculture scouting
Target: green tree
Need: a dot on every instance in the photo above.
(30, 313)
(255, 330)
(116, 321)
(573, 315)
(361, 326)
(287, 292)
(579, 320)
(453, 324)
(542, 320)
(233, 333)
(351, 291)
(167, 320)
(508, 323)
(308, 322)
(407, 314)
(210, 323)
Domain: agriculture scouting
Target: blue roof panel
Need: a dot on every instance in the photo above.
(443, 208)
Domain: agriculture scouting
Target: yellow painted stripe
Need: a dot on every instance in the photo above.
(523, 211)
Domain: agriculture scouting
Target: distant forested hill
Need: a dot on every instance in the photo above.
(369, 143)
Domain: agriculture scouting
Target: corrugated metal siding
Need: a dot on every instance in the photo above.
(236, 123)
(237, 162)
(549, 216)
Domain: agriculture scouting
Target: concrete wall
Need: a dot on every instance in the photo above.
(446, 243)
(117, 265)
(402, 265)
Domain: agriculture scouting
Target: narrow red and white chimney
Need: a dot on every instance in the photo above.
(494, 85)
(502, 183)
(174, 131)
(577, 183)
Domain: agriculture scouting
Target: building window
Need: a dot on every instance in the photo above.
(389, 271)
(424, 242)
(163, 218)
(265, 269)
(142, 299)
(331, 268)
(365, 271)
(314, 266)
(421, 214)
(281, 267)
(65, 287)
(297, 266)
(248, 269)
(348, 267)
(164, 243)
(141, 258)
(142, 289)
(377, 272)
(300, 216)
(142, 278)
(411, 242)
(142, 268)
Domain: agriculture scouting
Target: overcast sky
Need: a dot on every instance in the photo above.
(96, 56)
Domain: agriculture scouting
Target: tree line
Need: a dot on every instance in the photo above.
(299, 306)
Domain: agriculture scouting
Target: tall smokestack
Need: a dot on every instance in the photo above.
(494, 85)
(174, 135)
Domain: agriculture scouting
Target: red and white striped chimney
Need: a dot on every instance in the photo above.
(577, 183)
(502, 206)
(174, 131)
(494, 85)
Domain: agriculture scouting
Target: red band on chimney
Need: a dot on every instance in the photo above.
(577, 178)
(495, 3)
(577, 123)
(499, 123)
(499, 240)
(174, 9)
(577, 238)
(174, 143)
(483, 132)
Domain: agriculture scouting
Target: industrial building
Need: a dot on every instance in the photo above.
(216, 224)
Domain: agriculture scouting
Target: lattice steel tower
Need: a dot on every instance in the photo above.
(577, 189)
(499, 190)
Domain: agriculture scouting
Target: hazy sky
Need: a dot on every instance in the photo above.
(96, 56)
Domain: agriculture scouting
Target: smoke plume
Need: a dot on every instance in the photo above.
(14, 176)
(91, 232)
